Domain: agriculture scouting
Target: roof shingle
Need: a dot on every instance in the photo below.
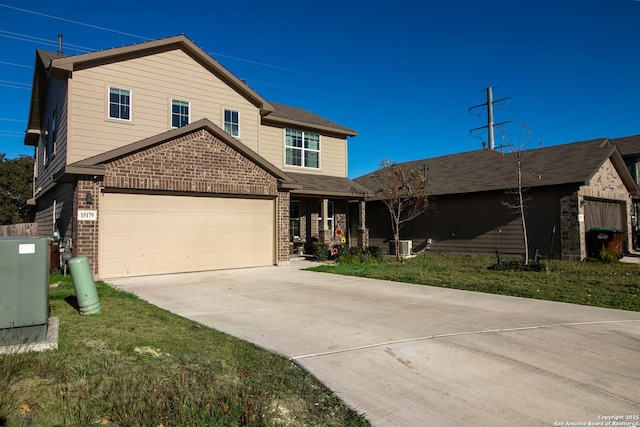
(490, 170)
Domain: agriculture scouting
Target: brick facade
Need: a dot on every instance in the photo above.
(196, 163)
(85, 236)
(282, 219)
(605, 184)
(571, 244)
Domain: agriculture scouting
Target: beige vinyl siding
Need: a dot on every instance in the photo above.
(57, 100)
(175, 75)
(333, 152)
(272, 145)
(333, 156)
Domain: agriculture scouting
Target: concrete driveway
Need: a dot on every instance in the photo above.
(408, 355)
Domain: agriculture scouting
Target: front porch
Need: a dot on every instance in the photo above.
(329, 210)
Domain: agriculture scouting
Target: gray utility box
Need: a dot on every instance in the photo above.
(24, 290)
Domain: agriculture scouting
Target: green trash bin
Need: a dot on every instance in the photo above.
(85, 287)
(609, 239)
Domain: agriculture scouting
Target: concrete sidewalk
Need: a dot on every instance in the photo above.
(408, 355)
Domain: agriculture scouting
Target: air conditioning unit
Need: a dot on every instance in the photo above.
(406, 246)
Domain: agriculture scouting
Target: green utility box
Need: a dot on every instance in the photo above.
(24, 290)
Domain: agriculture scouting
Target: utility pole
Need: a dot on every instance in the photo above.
(490, 124)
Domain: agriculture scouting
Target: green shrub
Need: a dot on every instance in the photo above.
(357, 255)
(606, 256)
(320, 251)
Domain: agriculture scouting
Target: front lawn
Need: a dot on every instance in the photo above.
(137, 365)
(611, 285)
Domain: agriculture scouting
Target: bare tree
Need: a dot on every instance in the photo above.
(519, 152)
(404, 193)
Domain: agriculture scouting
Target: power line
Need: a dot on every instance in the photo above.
(11, 134)
(270, 66)
(16, 83)
(14, 87)
(73, 22)
(149, 39)
(12, 120)
(38, 40)
(15, 65)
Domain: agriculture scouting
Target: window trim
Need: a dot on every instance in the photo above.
(120, 119)
(294, 219)
(302, 149)
(224, 121)
(180, 114)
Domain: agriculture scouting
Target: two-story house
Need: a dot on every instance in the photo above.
(153, 158)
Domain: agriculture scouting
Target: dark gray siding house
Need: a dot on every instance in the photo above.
(569, 190)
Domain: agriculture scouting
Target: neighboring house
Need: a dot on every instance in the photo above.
(153, 158)
(570, 189)
(629, 147)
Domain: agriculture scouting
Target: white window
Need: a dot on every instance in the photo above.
(179, 113)
(232, 122)
(119, 103)
(302, 149)
(294, 219)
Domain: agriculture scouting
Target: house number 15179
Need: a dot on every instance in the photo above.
(87, 215)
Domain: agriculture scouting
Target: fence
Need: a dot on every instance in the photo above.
(29, 229)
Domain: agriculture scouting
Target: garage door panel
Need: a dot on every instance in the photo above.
(151, 234)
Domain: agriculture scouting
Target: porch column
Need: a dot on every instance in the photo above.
(363, 231)
(324, 232)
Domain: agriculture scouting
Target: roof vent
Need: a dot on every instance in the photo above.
(59, 43)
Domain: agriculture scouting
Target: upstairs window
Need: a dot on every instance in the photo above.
(179, 113)
(232, 122)
(119, 103)
(302, 149)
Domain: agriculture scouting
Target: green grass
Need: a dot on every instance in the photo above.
(137, 365)
(611, 285)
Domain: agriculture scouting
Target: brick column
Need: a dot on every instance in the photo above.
(363, 231)
(85, 236)
(282, 234)
(570, 227)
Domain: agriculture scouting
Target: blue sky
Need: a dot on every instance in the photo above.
(403, 73)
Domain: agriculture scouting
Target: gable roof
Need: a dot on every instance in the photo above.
(39, 89)
(93, 59)
(628, 146)
(491, 170)
(50, 64)
(53, 65)
(288, 115)
(95, 165)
